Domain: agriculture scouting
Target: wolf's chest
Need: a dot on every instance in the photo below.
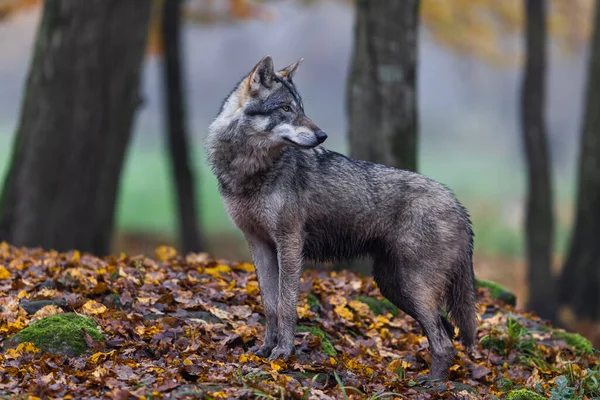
(258, 214)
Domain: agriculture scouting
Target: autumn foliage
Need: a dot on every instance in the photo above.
(178, 326)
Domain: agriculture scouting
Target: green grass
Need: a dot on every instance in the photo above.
(485, 185)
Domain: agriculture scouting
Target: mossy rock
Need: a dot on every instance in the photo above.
(581, 344)
(378, 306)
(326, 345)
(524, 394)
(60, 334)
(498, 292)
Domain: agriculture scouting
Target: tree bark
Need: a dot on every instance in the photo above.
(190, 238)
(76, 121)
(381, 91)
(539, 226)
(580, 278)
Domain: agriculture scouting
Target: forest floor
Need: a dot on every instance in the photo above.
(171, 326)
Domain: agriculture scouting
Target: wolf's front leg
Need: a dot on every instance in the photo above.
(267, 271)
(289, 254)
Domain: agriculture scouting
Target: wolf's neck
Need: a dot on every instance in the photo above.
(242, 169)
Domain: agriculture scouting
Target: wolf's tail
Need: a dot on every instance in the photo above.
(461, 301)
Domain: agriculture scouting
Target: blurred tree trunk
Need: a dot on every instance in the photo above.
(381, 96)
(381, 92)
(539, 227)
(76, 121)
(580, 278)
(189, 235)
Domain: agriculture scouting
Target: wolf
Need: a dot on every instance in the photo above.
(294, 200)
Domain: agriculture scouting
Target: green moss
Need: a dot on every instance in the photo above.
(326, 345)
(524, 394)
(493, 343)
(378, 306)
(312, 301)
(498, 292)
(581, 344)
(60, 334)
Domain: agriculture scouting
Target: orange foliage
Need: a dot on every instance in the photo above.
(482, 28)
(9, 7)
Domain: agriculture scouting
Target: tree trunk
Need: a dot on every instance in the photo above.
(189, 234)
(580, 278)
(539, 227)
(381, 93)
(76, 121)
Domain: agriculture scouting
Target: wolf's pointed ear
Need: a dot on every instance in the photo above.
(263, 74)
(289, 71)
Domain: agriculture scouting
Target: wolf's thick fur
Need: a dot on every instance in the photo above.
(295, 200)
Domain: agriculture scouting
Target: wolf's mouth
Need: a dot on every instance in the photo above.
(302, 146)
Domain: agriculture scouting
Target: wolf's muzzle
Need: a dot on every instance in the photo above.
(321, 136)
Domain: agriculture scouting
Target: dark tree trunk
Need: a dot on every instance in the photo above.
(189, 234)
(539, 227)
(580, 278)
(76, 121)
(381, 92)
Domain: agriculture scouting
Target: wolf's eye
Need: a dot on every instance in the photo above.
(285, 108)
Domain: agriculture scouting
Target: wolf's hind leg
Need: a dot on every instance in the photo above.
(421, 299)
(267, 271)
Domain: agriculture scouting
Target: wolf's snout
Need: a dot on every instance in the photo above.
(321, 136)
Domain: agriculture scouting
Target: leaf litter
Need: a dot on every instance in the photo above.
(180, 326)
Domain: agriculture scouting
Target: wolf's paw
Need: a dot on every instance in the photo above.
(281, 352)
(262, 351)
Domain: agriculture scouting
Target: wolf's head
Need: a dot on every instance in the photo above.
(265, 111)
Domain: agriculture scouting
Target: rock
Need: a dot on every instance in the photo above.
(60, 334)
(498, 292)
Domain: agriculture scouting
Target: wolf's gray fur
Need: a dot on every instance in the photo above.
(295, 200)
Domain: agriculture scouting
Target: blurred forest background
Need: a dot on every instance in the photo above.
(104, 106)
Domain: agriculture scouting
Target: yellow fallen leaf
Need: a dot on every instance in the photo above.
(215, 272)
(187, 362)
(100, 356)
(241, 312)
(4, 274)
(361, 308)
(275, 367)
(246, 332)
(93, 308)
(221, 314)
(99, 372)
(165, 253)
(344, 313)
(23, 295)
(244, 267)
(46, 311)
(243, 358)
(28, 347)
(219, 395)
(252, 288)
(339, 301)
(395, 365)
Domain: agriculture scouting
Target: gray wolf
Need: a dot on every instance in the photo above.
(294, 200)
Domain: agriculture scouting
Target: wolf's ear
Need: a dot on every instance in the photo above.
(289, 71)
(263, 74)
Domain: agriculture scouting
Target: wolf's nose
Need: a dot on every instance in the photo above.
(321, 136)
